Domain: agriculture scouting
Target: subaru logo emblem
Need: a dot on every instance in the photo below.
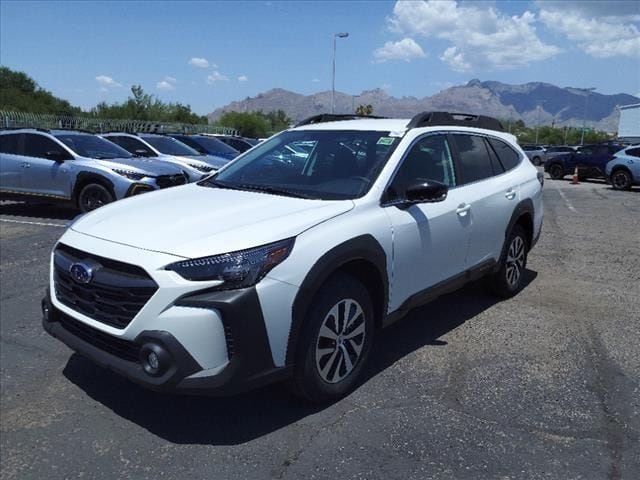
(81, 272)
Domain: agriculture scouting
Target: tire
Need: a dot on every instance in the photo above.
(621, 180)
(508, 281)
(93, 196)
(556, 172)
(536, 161)
(321, 372)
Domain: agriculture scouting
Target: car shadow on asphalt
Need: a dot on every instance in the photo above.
(38, 210)
(234, 420)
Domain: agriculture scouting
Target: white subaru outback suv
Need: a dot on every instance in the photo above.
(285, 265)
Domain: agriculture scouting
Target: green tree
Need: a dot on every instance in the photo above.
(255, 124)
(19, 92)
(364, 110)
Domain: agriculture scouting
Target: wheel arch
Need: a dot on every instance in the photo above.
(522, 215)
(85, 178)
(363, 258)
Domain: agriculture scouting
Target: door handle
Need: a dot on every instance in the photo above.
(511, 194)
(462, 209)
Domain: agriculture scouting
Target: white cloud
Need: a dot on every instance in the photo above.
(199, 62)
(315, 80)
(169, 83)
(480, 37)
(243, 78)
(405, 49)
(602, 33)
(107, 82)
(216, 76)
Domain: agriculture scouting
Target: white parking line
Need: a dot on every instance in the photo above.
(566, 200)
(33, 223)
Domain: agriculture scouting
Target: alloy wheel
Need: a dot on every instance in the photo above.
(515, 261)
(340, 340)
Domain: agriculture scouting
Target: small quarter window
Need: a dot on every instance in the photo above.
(507, 155)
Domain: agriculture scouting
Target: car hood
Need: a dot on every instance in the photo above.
(141, 165)
(195, 221)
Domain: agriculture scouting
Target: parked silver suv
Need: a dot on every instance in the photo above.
(75, 166)
(536, 154)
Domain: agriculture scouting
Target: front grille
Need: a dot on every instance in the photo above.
(115, 294)
(164, 181)
(123, 349)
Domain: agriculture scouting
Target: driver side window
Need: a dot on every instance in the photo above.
(428, 159)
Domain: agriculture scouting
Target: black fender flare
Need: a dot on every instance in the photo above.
(84, 178)
(524, 207)
(363, 247)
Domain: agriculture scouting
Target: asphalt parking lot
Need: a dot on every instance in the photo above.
(545, 385)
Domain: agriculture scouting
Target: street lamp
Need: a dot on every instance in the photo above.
(584, 117)
(333, 76)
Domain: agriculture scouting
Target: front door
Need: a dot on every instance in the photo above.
(430, 240)
(42, 175)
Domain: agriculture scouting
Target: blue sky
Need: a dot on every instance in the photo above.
(207, 54)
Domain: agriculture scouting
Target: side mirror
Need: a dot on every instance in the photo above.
(57, 156)
(426, 191)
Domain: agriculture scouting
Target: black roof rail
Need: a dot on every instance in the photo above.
(332, 117)
(426, 119)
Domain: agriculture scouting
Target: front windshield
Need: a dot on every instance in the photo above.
(213, 145)
(321, 164)
(170, 146)
(91, 146)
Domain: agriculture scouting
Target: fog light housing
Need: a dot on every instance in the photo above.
(155, 360)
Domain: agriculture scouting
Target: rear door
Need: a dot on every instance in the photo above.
(43, 175)
(492, 194)
(11, 162)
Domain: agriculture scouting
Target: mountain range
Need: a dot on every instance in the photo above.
(535, 103)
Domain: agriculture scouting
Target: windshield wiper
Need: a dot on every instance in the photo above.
(212, 182)
(274, 190)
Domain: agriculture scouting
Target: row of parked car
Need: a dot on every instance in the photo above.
(36, 163)
(616, 163)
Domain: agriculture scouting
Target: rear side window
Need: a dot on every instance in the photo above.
(507, 155)
(634, 152)
(39, 145)
(10, 143)
(474, 158)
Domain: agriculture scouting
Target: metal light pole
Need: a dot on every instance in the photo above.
(584, 117)
(537, 121)
(333, 76)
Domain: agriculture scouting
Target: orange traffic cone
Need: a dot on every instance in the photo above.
(574, 180)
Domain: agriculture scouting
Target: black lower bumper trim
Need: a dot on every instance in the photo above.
(250, 366)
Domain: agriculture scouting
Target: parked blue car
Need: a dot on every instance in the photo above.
(624, 170)
(591, 161)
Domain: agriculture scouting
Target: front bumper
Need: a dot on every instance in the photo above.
(250, 363)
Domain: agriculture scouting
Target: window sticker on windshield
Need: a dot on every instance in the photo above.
(385, 141)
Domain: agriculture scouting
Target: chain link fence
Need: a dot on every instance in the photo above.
(10, 119)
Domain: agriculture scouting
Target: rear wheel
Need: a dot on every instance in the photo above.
(556, 172)
(536, 161)
(508, 281)
(93, 196)
(621, 180)
(335, 342)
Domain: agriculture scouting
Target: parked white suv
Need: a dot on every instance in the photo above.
(285, 266)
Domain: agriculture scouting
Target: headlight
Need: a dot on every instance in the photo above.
(237, 269)
(202, 168)
(129, 174)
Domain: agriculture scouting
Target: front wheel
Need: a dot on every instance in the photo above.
(621, 180)
(536, 161)
(93, 196)
(556, 172)
(508, 281)
(336, 340)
